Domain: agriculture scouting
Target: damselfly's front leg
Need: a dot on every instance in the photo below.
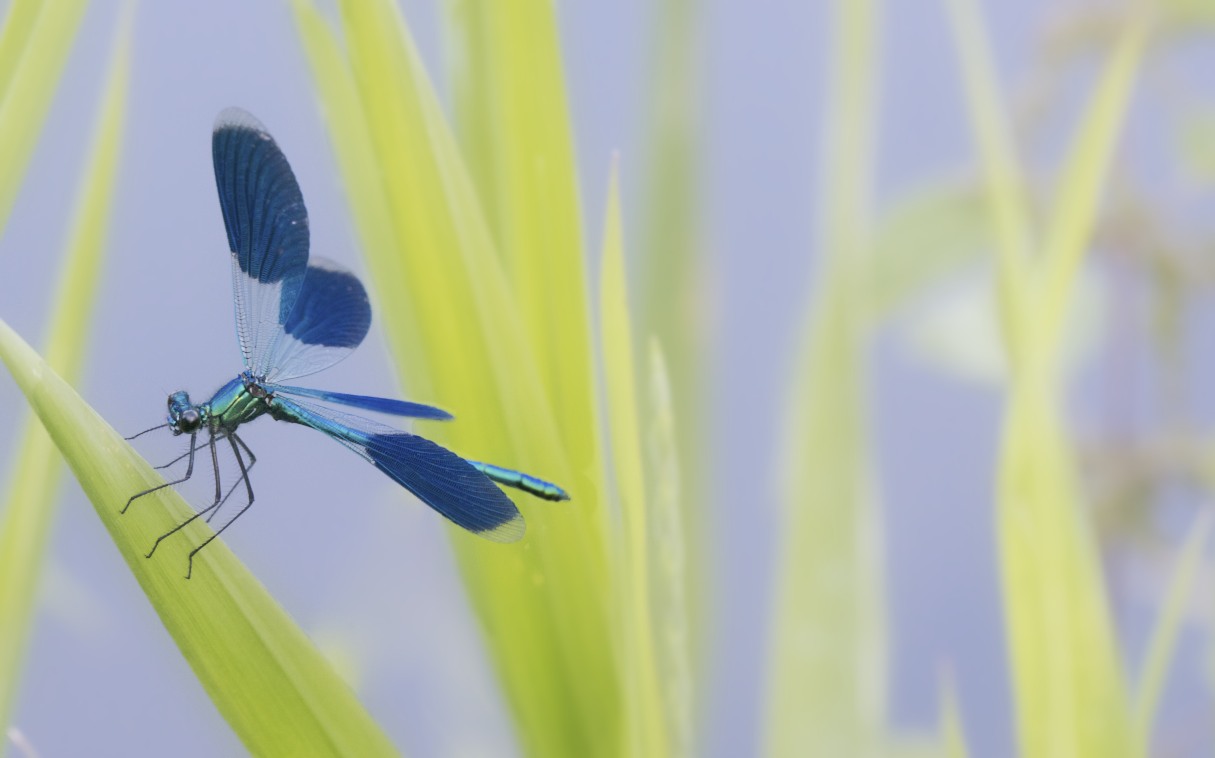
(244, 475)
(186, 478)
(212, 509)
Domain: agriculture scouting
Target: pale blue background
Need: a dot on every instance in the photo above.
(104, 679)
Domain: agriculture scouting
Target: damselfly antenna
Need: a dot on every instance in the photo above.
(145, 431)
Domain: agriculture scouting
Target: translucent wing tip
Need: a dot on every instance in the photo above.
(238, 118)
(510, 531)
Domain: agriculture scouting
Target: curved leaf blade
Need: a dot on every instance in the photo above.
(275, 689)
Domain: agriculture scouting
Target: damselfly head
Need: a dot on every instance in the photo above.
(184, 418)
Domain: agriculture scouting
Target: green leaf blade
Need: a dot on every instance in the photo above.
(1068, 682)
(1162, 645)
(669, 580)
(517, 124)
(1008, 203)
(647, 723)
(456, 327)
(33, 74)
(827, 660)
(275, 689)
(1083, 179)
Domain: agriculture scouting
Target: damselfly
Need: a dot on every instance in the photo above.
(295, 317)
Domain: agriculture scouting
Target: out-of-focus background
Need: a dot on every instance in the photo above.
(369, 573)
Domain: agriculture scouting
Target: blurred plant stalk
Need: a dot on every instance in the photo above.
(475, 244)
(34, 44)
(827, 657)
(652, 607)
(1065, 661)
(30, 79)
(675, 273)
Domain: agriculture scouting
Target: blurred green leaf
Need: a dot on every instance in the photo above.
(930, 233)
(1186, 16)
(668, 575)
(19, 20)
(29, 502)
(647, 724)
(956, 327)
(952, 735)
(1006, 200)
(458, 330)
(513, 117)
(1163, 644)
(827, 659)
(34, 46)
(1079, 192)
(1065, 665)
(674, 275)
(672, 303)
(1194, 142)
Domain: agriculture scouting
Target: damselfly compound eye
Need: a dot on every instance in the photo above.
(189, 420)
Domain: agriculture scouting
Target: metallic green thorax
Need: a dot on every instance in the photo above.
(237, 402)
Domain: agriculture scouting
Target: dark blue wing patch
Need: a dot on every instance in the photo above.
(447, 483)
(263, 208)
(366, 402)
(437, 476)
(331, 310)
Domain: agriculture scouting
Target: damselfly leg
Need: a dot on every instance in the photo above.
(238, 445)
(186, 478)
(244, 476)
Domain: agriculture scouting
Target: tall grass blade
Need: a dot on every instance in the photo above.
(19, 20)
(1009, 206)
(674, 274)
(643, 696)
(827, 669)
(953, 738)
(458, 329)
(29, 503)
(277, 692)
(362, 169)
(1067, 680)
(1066, 670)
(1084, 175)
(1068, 685)
(470, 55)
(513, 116)
(1163, 644)
(671, 282)
(513, 121)
(33, 51)
(668, 561)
